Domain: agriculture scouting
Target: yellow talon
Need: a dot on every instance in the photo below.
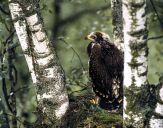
(94, 101)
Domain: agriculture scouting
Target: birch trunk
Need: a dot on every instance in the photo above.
(42, 61)
(157, 119)
(135, 62)
(117, 23)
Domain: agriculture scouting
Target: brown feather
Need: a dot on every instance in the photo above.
(106, 69)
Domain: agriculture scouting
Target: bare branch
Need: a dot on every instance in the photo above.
(10, 36)
(74, 52)
(156, 37)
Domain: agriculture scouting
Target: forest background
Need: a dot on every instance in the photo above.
(67, 22)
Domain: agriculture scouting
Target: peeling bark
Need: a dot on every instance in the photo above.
(42, 61)
(135, 62)
(117, 22)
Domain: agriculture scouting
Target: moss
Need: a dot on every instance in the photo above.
(141, 103)
(108, 118)
(103, 119)
(83, 114)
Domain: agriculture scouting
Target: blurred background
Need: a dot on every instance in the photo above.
(67, 22)
(74, 19)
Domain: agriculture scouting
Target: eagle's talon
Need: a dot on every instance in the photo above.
(94, 101)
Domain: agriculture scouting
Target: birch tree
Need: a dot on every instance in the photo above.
(45, 70)
(156, 120)
(135, 63)
(116, 6)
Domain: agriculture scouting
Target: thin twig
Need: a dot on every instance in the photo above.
(156, 37)
(7, 28)
(73, 57)
(19, 89)
(73, 51)
(10, 36)
(4, 89)
(15, 117)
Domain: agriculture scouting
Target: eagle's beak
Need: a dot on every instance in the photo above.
(89, 37)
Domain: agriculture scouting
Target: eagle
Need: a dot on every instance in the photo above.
(106, 70)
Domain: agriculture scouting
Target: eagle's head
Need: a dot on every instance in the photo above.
(98, 40)
(98, 37)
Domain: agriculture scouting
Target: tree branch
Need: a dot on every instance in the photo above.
(74, 52)
(156, 37)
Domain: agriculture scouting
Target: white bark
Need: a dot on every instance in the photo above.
(135, 57)
(42, 61)
(20, 26)
(157, 121)
(130, 27)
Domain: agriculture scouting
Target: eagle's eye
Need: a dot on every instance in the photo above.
(93, 37)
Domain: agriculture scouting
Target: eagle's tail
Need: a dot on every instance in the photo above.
(113, 107)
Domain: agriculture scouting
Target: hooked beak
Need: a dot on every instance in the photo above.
(88, 37)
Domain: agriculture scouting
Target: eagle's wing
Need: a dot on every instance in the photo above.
(113, 60)
(98, 72)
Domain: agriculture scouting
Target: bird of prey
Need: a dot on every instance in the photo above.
(105, 70)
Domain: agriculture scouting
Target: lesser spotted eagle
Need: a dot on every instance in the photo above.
(105, 70)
